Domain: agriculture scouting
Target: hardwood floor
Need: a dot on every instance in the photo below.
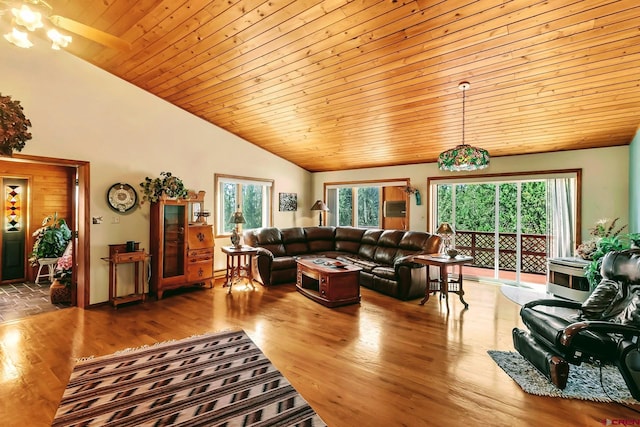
(381, 363)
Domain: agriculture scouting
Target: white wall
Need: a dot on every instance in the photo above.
(605, 180)
(80, 112)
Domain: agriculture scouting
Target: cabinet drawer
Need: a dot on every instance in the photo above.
(199, 271)
(200, 255)
(200, 237)
(129, 257)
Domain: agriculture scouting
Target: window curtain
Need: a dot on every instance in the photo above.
(561, 212)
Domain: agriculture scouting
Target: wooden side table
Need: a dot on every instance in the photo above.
(238, 264)
(118, 255)
(444, 285)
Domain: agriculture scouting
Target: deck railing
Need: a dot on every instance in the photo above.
(481, 246)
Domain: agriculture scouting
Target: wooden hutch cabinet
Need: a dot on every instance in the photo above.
(181, 244)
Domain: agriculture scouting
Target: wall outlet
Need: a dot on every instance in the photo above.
(115, 220)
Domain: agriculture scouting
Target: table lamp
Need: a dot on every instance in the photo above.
(236, 218)
(319, 206)
(445, 231)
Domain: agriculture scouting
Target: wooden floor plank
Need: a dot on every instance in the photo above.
(383, 362)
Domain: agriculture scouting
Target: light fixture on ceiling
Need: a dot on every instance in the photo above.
(27, 18)
(463, 157)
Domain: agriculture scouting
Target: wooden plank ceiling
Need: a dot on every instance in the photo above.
(342, 84)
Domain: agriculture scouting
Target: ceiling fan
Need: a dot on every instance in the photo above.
(28, 15)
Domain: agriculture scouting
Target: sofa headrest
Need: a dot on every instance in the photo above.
(293, 235)
(371, 237)
(320, 233)
(622, 266)
(413, 240)
(349, 233)
(391, 238)
(268, 235)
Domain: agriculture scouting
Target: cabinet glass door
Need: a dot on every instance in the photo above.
(174, 240)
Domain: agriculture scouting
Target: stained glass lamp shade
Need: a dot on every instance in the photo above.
(463, 157)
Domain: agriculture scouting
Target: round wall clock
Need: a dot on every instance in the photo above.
(122, 197)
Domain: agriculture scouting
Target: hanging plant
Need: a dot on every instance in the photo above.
(14, 126)
(167, 184)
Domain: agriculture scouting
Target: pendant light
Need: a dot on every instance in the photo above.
(463, 157)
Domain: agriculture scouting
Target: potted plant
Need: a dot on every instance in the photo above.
(51, 239)
(603, 246)
(14, 126)
(60, 289)
(167, 184)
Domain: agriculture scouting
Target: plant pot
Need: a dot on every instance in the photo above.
(59, 293)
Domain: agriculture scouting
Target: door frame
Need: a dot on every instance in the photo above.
(79, 222)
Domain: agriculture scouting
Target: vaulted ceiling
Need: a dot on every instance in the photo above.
(341, 84)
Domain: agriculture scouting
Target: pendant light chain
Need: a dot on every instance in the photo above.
(464, 97)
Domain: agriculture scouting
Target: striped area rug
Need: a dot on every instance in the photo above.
(220, 379)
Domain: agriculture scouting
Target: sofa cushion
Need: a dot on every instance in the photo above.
(294, 241)
(412, 242)
(320, 239)
(364, 263)
(271, 239)
(348, 239)
(388, 246)
(386, 272)
(368, 243)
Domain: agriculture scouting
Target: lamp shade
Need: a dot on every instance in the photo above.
(445, 229)
(319, 206)
(237, 218)
(463, 158)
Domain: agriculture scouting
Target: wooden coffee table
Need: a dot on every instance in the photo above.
(328, 282)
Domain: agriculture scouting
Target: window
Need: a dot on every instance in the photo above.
(251, 196)
(359, 204)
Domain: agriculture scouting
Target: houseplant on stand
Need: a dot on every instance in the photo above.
(52, 241)
(605, 239)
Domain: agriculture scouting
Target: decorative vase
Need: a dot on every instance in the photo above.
(59, 292)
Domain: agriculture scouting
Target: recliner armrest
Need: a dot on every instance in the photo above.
(406, 261)
(601, 326)
(553, 303)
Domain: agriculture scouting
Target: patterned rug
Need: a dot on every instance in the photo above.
(583, 383)
(220, 379)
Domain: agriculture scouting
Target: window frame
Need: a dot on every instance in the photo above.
(239, 181)
(354, 185)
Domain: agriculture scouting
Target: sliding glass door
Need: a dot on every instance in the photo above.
(504, 225)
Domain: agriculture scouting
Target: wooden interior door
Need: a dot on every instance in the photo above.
(395, 194)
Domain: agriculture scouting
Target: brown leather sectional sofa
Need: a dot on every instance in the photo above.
(384, 255)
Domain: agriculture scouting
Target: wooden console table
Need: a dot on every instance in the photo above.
(118, 255)
(238, 264)
(445, 284)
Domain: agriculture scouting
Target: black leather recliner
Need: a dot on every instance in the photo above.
(605, 328)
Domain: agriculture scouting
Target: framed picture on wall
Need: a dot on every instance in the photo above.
(288, 202)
